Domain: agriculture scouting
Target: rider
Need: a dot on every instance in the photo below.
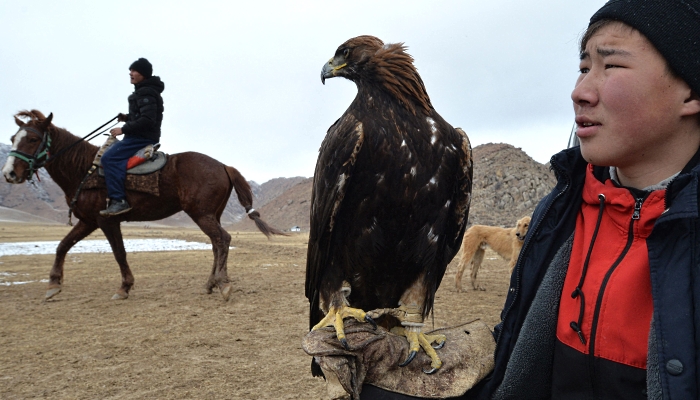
(142, 128)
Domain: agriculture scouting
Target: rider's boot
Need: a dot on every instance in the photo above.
(116, 207)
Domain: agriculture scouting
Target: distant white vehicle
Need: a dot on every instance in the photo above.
(295, 229)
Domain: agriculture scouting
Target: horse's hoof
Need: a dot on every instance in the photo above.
(52, 292)
(226, 291)
(120, 296)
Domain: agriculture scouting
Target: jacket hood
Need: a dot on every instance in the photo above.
(153, 82)
(564, 163)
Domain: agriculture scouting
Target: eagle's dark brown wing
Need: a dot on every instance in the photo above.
(456, 223)
(334, 169)
(438, 216)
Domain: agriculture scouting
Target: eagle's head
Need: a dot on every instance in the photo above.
(350, 57)
(368, 62)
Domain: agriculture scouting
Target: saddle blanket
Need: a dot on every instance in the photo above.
(138, 183)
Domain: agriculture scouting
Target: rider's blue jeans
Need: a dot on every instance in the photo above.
(114, 162)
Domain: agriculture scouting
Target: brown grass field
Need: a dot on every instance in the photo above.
(170, 339)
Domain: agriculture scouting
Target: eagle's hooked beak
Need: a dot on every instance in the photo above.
(329, 70)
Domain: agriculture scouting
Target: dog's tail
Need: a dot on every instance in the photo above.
(245, 197)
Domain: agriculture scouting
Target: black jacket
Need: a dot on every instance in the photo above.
(145, 110)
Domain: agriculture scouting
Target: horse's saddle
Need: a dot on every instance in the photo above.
(154, 163)
(145, 161)
(140, 169)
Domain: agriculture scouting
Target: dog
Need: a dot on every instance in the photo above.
(507, 242)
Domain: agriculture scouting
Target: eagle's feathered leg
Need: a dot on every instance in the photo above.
(339, 310)
(412, 323)
(410, 314)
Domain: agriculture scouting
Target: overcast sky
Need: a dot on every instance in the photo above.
(242, 79)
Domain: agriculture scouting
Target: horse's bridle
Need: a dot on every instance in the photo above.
(42, 155)
(38, 160)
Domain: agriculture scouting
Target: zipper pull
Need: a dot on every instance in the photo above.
(578, 331)
(637, 208)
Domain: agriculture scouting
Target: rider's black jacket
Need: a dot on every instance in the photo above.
(145, 110)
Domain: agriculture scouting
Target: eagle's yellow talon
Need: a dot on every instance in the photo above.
(339, 327)
(335, 317)
(418, 340)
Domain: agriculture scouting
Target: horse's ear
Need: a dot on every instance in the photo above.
(18, 122)
(47, 121)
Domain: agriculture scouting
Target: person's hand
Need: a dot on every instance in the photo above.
(121, 117)
(115, 131)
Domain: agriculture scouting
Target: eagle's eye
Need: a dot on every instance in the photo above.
(346, 53)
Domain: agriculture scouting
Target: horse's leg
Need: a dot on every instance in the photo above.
(113, 233)
(220, 241)
(211, 281)
(78, 233)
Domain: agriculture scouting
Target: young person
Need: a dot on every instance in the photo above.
(142, 128)
(604, 298)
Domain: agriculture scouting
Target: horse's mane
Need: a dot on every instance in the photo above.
(81, 154)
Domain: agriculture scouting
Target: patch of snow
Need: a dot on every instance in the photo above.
(101, 246)
(22, 283)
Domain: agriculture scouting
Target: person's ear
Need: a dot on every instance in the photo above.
(691, 105)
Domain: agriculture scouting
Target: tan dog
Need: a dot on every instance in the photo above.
(507, 242)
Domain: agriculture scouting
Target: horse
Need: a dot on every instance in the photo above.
(190, 182)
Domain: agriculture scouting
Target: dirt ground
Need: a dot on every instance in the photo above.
(170, 339)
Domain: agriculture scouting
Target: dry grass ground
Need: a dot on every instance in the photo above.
(170, 339)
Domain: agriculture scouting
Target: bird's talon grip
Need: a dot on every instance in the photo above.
(430, 371)
(371, 321)
(410, 358)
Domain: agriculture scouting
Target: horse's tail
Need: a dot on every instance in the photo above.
(245, 197)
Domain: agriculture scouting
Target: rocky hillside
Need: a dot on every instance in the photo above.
(291, 208)
(43, 198)
(507, 186)
(262, 194)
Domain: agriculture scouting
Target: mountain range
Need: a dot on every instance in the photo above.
(507, 186)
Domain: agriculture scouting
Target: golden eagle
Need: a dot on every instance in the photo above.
(390, 198)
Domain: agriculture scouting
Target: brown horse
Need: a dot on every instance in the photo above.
(190, 181)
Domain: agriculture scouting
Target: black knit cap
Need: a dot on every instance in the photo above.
(672, 26)
(143, 67)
